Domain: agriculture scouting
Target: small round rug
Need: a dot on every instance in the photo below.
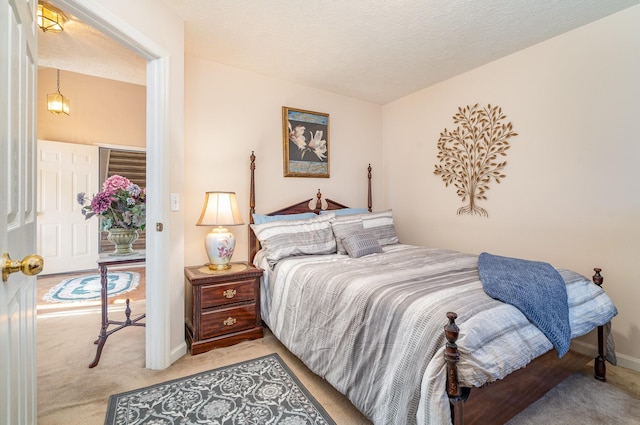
(87, 288)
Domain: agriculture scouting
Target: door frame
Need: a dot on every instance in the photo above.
(158, 300)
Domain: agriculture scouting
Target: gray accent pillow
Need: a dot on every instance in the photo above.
(361, 244)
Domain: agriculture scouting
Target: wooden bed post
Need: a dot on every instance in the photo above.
(252, 209)
(369, 202)
(599, 365)
(252, 189)
(457, 395)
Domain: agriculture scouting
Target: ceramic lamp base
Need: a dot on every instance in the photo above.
(220, 244)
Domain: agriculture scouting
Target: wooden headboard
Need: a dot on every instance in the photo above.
(301, 207)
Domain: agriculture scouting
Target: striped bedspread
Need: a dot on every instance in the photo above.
(373, 326)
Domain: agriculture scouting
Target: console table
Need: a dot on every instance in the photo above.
(104, 262)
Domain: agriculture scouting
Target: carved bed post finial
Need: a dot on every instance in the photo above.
(597, 278)
(457, 395)
(319, 201)
(451, 356)
(599, 365)
(369, 202)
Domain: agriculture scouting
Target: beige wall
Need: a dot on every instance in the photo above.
(103, 111)
(571, 194)
(231, 112)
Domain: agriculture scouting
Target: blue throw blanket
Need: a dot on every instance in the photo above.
(535, 288)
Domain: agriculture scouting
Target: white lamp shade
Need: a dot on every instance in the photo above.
(220, 209)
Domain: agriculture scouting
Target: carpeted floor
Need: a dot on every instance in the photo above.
(70, 393)
(611, 405)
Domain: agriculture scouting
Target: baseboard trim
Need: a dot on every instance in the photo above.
(178, 352)
(623, 360)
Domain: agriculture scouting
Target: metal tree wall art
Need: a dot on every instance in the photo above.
(469, 155)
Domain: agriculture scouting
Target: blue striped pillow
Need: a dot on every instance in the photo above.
(346, 211)
(262, 218)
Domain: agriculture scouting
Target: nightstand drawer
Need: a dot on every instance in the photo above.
(227, 293)
(227, 320)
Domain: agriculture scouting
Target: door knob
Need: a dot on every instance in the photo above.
(30, 265)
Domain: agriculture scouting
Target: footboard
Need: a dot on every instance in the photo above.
(501, 400)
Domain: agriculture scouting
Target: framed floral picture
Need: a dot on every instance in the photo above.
(305, 137)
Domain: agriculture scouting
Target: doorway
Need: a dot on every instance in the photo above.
(158, 348)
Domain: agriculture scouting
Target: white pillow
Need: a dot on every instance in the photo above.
(381, 224)
(378, 223)
(345, 226)
(283, 239)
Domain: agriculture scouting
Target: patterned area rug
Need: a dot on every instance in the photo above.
(85, 288)
(258, 391)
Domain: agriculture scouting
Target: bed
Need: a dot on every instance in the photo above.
(379, 321)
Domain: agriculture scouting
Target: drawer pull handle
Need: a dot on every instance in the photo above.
(229, 293)
(230, 321)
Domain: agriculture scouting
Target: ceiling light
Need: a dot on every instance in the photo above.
(50, 18)
(56, 102)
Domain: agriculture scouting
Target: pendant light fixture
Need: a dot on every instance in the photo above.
(56, 102)
(49, 18)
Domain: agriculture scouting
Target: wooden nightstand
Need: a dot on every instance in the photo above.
(222, 308)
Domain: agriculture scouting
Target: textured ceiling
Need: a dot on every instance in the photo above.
(375, 50)
(82, 49)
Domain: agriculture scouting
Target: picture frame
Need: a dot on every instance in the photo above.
(305, 143)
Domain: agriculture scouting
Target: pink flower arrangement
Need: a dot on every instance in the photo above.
(121, 204)
(115, 183)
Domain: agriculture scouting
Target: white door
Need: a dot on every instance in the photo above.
(66, 241)
(18, 50)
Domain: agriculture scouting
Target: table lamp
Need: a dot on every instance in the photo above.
(220, 209)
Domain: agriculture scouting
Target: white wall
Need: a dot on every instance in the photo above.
(230, 112)
(571, 195)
